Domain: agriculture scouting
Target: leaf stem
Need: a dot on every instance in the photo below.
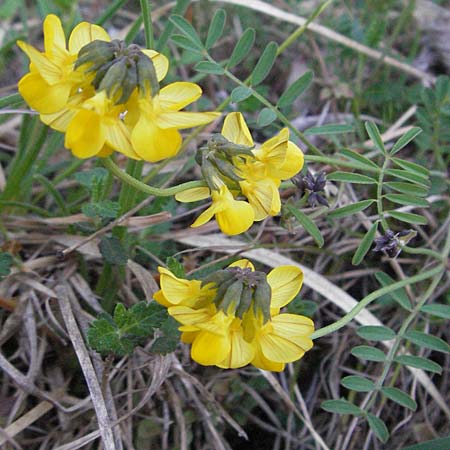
(146, 10)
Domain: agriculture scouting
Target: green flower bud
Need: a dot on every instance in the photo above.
(245, 301)
(218, 277)
(221, 289)
(114, 77)
(226, 169)
(262, 297)
(232, 296)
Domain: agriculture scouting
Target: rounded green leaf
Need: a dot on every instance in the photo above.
(408, 176)
(399, 295)
(407, 188)
(295, 89)
(357, 157)
(349, 177)
(437, 310)
(357, 383)
(408, 217)
(310, 227)
(419, 363)
(375, 136)
(405, 139)
(240, 93)
(350, 209)
(412, 167)
(330, 128)
(375, 333)
(368, 353)
(209, 67)
(242, 48)
(400, 397)
(266, 117)
(407, 200)
(186, 28)
(265, 63)
(365, 245)
(426, 340)
(216, 28)
(341, 407)
(378, 427)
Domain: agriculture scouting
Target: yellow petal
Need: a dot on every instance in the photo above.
(41, 96)
(236, 219)
(85, 135)
(262, 362)
(178, 291)
(152, 143)
(48, 70)
(263, 196)
(54, 39)
(160, 62)
(181, 119)
(210, 349)
(205, 216)
(295, 327)
(60, 120)
(193, 195)
(279, 349)
(235, 129)
(293, 163)
(159, 297)
(189, 316)
(118, 137)
(285, 282)
(176, 96)
(241, 352)
(243, 264)
(188, 336)
(105, 152)
(83, 34)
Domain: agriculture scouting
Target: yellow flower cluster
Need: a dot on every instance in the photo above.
(143, 125)
(260, 176)
(230, 329)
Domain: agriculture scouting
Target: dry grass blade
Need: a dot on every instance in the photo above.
(26, 420)
(314, 281)
(92, 382)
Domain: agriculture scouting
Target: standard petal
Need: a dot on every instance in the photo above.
(41, 96)
(181, 119)
(235, 219)
(159, 297)
(236, 130)
(160, 62)
(83, 34)
(210, 349)
(176, 96)
(243, 264)
(286, 282)
(292, 164)
(48, 70)
(152, 143)
(189, 316)
(178, 291)
(60, 120)
(85, 135)
(294, 326)
(54, 39)
(193, 195)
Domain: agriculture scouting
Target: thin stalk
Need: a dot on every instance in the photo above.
(11, 100)
(371, 297)
(110, 11)
(150, 190)
(380, 211)
(146, 10)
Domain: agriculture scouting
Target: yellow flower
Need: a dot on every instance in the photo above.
(155, 121)
(232, 216)
(52, 79)
(275, 160)
(224, 339)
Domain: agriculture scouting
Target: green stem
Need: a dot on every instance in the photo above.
(370, 298)
(383, 220)
(110, 11)
(146, 10)
(11, 100)
(150, 190)
(425, 251)
(300, 30)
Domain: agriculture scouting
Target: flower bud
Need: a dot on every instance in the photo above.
(232, 297)
(261, 298)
